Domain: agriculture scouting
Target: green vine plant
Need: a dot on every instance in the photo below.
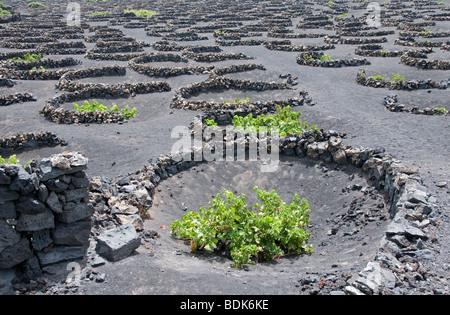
(273, 229)
(27, 58)
(96, 106)
(440, 111)
(397, 78)
(238, 101)
(286, 120)
(12, 160)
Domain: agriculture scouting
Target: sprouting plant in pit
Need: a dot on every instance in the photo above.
(397, 78)
(271, 230)
(11, 160)
(286, 120)
(96, 106)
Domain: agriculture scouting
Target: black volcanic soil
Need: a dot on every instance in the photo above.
(164, 265)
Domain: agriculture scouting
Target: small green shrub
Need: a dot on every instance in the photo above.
(378, 78)
(325, 57)
(237, 101)
(273, 229)
(142, 13)
(95, 106)
(102, 13)
(35, 69)
(398, 78)
(36, 5)
(4, 12)
(12, 160)
(27, 58)
(284, 119)
(210, 123)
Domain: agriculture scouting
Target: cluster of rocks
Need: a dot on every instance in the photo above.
(111, 47)
(315, 59)
(53, 112)
(409, 59)
(31, 140)
(45, 63)
(62, 48)
(364, 34)
(63, 116)
(37, 74)
(25, 42)
(237, 68)
(375, 50)
(354, 41)
(221, 83)
(392, 104)
(45, 214)
(6, 100)
(137, 64)
(288, 34)
(16, 54)
(66, 83)
(223, 114)
(311, 24)
(4, 81)
(167, 46)
(287, 46)
(425, 34)
(415, 27)
(184, 37)
(437, 17)
(105, 90)
(85, 91)
(363, 79)
(239, 42)
(116, 56)
(214, 57)
(105, 33)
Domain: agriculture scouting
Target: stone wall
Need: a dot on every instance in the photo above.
(44, 213)
(363, 79)
(410, 59)
(314, 59)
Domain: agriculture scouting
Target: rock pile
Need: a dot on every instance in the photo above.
(31, 140)
(287, 46)
(45, 214)
(392, 104)
(6, 82)
(363, 79)
(137, 64)
(45, 63)
(315, 59)
(6, 100)
(185, 36)
(374, 50)
(354, 41)
(86, 91)
(220, 83)
(409, 59)
(214, 57)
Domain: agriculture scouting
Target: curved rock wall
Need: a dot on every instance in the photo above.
(44, 213)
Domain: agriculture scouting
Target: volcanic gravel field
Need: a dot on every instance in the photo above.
(360, 242)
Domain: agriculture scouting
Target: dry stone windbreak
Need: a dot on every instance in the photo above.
(45, 212)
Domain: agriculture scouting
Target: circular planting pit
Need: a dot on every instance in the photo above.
(377, 187)
(348, 219)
